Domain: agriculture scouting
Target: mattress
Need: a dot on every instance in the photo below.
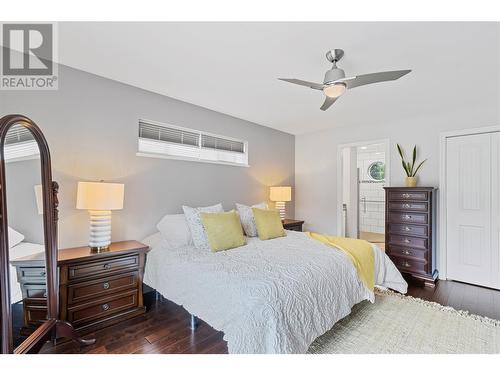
(274, 296)
(21, 250)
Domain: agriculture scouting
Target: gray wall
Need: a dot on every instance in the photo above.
(91, 127)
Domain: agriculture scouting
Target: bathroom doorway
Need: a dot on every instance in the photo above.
(363, 174)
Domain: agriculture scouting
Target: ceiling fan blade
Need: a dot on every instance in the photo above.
(366, 79)
(328, 103)
(316, 86)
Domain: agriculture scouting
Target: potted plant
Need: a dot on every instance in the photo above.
(410, 170)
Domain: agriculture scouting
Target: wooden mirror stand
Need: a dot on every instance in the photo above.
(52, 328)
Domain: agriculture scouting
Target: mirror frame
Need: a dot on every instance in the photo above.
(52, 328)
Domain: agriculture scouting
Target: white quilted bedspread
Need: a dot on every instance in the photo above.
(273, 296)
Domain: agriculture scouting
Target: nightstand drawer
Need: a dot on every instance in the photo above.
(101, 287)
(35, 312)
(408, 252)
(102, 268)
(98, 309)
(296, 228)
(35, 291)
(32, 274)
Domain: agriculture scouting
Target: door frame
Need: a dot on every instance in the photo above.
(340, 174)
(442, 242)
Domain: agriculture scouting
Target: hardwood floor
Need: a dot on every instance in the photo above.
(165, 327)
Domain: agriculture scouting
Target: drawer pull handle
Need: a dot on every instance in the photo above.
(45, 295)
(408, 229)
(43, 273)
(406, 252)
(105, 307)
(406, 195)
(105, 286)
(407, 217)
(406, 205)
(406, 240)
(406, 264)
(107, 266)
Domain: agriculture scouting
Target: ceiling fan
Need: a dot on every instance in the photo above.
(335, 83)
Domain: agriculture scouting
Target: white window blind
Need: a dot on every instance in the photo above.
(20, 144)
(160, 140)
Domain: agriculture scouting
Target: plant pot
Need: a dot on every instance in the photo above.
(411, 181)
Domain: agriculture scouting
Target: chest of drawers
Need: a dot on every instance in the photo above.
(410, 231)
(95, 290)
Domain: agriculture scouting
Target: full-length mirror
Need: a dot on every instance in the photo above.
(27, 268)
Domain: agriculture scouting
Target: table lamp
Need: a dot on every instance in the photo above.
(99, 198)
(280, 195)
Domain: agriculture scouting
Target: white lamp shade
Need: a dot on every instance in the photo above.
(100, 196)
(280, 194)
(39, 198)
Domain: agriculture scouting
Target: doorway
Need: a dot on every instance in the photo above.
(363, 174)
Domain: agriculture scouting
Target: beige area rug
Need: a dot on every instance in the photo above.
(403, 324)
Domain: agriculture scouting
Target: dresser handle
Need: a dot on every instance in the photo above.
(406, 240)
(407, 217)
(45, 295)
(406, 252)
(405, 195)
(408, 229)
(107, 266)
(406, 205)
(105, 307)
(406, 264)
(105, 286)
(43, 273)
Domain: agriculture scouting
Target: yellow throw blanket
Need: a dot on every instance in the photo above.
(359, 251)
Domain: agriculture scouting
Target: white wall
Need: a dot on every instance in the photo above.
(316, 157)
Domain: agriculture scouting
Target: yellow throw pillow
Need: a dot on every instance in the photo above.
(268, 223)
(223, 229)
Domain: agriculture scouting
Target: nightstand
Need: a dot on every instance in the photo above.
(291, 224)
(95, 289)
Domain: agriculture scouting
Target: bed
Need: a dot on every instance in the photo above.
(274, 296)
(21, 250)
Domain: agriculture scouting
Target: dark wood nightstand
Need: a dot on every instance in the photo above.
(291, 224)
(95, 289)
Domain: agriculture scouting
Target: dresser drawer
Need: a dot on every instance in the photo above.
(409, 265)
(102, 268)
(27, 274)
(34, 291)
(35, 312)
(408, 252)
(408, 217)
(408, 196)
(409, 206)
(420, 243)
(104, 307)
(101, 287)
(409, 229)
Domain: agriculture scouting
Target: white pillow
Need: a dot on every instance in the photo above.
(198, 234)
(174, 230)
(14, 238)
(247, 219)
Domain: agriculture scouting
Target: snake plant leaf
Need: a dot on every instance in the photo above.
(414, 158)
(404, 167)
(416, 170)
(400, 151)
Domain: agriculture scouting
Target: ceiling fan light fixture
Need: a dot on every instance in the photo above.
(335, 90)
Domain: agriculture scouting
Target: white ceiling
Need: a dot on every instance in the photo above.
(233, 67)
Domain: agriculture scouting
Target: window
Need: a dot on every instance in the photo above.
(376, 171)
(168, 141)
(20, 145)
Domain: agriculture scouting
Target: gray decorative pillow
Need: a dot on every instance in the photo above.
(247, 219)
(195, 224)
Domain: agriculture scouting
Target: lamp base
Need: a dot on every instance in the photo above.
(100, 231)
(281, 207)
(99, 249)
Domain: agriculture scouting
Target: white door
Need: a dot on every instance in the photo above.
(469, 184)
(495, 208)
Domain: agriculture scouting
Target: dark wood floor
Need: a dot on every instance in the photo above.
(165, 327)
